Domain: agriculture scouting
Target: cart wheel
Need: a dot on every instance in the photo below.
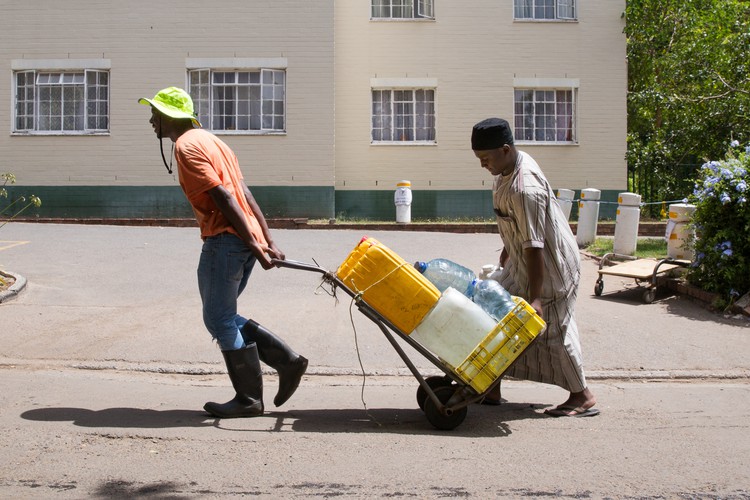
(599, 287)
(649, 295)
(434, 382)
(436, 418)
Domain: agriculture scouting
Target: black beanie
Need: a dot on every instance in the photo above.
(492, 133)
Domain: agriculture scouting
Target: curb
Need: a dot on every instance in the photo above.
(15, 288)
(209, 369)
(604, 228)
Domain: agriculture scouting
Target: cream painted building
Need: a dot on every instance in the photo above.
(328, 104)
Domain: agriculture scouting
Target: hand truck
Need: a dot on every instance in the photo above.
(444, 399)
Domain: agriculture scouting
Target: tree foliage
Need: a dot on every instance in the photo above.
(688, 89)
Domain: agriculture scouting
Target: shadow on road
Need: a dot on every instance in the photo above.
(676, 305)
(121, 417)
(480, 420)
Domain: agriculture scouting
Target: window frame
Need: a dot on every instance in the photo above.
(261, 67)
(405, 85)
(421, 10)
(30, 109)
(559, 6)
(547, 85)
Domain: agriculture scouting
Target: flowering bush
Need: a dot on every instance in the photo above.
(722, 226)
(13, 210)
(7, 212)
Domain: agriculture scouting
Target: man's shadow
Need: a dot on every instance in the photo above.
(139, 418)
(480, 420)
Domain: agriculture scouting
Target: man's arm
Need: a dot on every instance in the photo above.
(534, 258)
(228, 206)
(272, 248)
(503, 258)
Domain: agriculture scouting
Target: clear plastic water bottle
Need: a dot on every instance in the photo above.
(493, 298)
(486, 271)
(490, 272)
(444, 273)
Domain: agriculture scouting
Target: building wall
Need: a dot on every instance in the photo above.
(325, 164)
(148, 44)
(475, 51)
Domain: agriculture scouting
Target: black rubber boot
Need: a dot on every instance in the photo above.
(274, 352)
(243, 366)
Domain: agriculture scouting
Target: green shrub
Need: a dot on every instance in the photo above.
(722, 225)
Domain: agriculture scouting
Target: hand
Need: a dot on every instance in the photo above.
(265, 262)
(536, 304)
(275, 252)
(271, 255)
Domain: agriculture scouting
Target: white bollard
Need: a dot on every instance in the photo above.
(588, 216)
(402, 199)
(626, 223)
(680, 235)
(565, 199)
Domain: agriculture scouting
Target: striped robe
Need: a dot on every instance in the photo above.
(528, 215)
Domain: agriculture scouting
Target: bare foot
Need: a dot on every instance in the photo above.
(583, 400)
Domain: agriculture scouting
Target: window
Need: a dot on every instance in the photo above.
(62, 102)
(544, 9)
(403, 9)
(404, 115)
(239, 100)
(545, 115)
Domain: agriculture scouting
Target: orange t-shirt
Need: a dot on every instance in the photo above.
(204, 161)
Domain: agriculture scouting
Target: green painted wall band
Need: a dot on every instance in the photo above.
(312, 202)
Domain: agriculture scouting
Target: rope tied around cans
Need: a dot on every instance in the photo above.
(360, 293)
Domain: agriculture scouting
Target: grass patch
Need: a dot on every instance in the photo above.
(645, 247)
(439, 220)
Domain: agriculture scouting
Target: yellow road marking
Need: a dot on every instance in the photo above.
(4, 245)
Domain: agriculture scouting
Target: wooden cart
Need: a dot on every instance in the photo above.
(643, 271)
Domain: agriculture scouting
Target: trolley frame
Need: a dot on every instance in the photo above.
(445, 410)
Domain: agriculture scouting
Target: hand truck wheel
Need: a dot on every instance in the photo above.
(434, 382)
(437, 418)
(649, 295)
(599, 287)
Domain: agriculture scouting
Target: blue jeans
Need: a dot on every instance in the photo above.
(224, 268)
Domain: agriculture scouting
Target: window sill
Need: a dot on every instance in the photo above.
(403, 143)
(542, 143)
(58, 134)
(545, 21)
(247, 132)
(402, 19)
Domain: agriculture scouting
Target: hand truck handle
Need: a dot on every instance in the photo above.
(293, 264)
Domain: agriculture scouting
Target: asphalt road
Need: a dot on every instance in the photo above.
(105, 367)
